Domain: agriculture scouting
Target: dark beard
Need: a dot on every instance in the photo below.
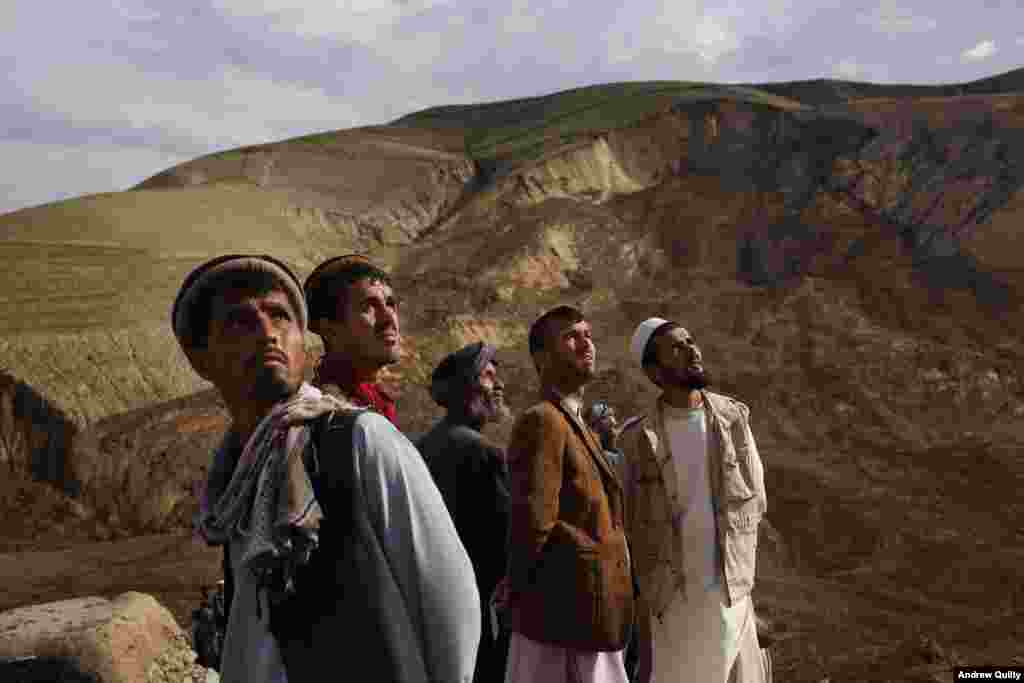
(687, 379)
(570, 375)
(270, 386)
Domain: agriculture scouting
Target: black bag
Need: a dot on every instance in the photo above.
(288, 608)
(209, 623)
(210, 620)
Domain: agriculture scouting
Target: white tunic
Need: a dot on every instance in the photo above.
(698, 637)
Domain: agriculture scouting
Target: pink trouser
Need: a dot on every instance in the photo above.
(533, 662)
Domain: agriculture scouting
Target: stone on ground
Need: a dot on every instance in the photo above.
(129, 639)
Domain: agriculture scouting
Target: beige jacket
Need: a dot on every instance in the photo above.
(653, 510)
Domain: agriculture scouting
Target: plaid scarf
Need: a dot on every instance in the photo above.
(268, 500)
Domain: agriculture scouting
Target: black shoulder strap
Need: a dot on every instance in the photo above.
(229, 588)
(340, 426)
(332, 440)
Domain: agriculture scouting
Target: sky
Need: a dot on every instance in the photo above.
(96, 96)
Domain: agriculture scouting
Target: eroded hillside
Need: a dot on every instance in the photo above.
(883, 404)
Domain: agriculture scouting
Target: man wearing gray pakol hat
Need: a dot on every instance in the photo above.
(695, 492)
(338, 547)
(471, 473)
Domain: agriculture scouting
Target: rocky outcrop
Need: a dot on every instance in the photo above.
(129, 639)
(35, 437)
(140, 471)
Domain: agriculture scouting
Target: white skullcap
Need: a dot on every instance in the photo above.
(643, 334)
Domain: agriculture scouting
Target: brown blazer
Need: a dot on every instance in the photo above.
(569, 573)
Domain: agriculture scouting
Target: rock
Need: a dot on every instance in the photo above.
(129, 639)
(844, 408)
(177, 664)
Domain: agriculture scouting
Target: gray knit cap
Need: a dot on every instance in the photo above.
(199, 280)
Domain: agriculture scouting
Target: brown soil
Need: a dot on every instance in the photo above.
(889, 415)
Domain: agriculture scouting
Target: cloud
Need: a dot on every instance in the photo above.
(896, 20)
(134, 10)
(521, 21)
(979, 52)
(230, 107)
(357, 20)
(848, 69)
(712, 41)
(669, 29)
(35, 173)
(714, 38)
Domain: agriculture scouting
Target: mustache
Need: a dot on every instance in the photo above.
(265, 354)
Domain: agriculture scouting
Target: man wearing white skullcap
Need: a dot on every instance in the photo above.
(693, 522)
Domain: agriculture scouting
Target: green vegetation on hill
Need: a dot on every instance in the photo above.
(520, 129)
(825, 91)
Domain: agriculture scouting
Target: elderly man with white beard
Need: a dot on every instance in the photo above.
(695, 494)
(470, 471)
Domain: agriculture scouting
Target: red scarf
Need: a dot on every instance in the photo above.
(336, 369)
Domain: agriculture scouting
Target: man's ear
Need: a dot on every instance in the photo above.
(653, 372)
(542, 361)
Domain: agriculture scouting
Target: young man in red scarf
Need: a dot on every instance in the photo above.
(354, 310)
(339, 549)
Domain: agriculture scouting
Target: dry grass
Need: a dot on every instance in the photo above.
(888, 414)
(521, 130)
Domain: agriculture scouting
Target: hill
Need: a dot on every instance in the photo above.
(888, 408)
(827, 91)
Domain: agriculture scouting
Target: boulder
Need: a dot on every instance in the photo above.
(123, 640)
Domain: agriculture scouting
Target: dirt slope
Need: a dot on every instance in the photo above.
(890, 415)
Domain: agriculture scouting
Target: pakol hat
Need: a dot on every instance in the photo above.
(643, 334)
(329, 269)
(197, 284)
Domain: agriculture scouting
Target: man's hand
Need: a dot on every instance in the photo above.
(500, 597)
(627, 424)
